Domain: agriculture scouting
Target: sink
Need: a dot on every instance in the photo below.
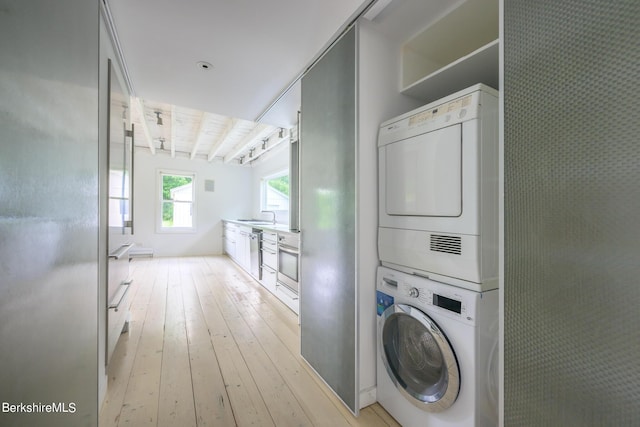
(255, 221)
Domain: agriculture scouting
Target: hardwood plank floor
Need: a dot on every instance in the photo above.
(209, 346)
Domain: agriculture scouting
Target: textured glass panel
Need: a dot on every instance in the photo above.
(327, 219)
(572, 204)
(49, 213)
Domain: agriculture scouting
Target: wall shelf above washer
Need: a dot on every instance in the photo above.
(480, 66)
(453, 53)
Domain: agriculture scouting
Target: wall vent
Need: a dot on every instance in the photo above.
(446, 244)
(209, 185)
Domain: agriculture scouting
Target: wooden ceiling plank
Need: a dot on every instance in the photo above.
(200, 135)
(258, 132)
(217, 145)
(174, 125)
(137, 103)
(272, 142)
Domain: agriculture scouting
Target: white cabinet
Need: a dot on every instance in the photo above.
(118, 300)
(229, 236)
(243, 248)
(270, 250)
(269, 278)
(288, 297)
(237, 244)
(455, 52)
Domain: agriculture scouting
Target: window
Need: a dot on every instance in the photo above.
(275, 192)
(118, 198)
(176, 201)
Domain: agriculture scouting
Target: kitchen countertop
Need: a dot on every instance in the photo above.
(280, 228)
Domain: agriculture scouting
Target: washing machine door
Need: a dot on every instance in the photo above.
(418, 357)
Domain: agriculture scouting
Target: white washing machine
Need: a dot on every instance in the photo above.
(437, 361)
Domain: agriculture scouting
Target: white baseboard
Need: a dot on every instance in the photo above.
(367, 397)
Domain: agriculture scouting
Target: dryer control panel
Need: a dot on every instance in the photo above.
(457, 108)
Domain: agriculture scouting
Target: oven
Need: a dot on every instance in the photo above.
(289, 261)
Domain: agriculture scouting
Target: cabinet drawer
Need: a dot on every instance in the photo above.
(269, 236)
(270, 258)
(288, 297)
(230, 247)
(117, 316)
(269, 278)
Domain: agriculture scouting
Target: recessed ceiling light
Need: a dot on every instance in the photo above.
(203, 65)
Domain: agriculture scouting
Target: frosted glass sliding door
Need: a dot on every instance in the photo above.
(49, 212)
(327, 219)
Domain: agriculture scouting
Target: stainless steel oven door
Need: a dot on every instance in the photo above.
(288, 266)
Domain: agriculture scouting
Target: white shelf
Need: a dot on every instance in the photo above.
(480, 66)
(454, 52)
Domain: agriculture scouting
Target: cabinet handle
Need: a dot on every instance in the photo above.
(269, 269)
(287, 250)
(125, 286)
(120, 252)
(133, 149)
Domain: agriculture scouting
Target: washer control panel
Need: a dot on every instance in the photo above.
(445, 299)
(414, 293)
(399, 287)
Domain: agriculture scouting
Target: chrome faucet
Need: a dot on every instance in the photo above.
(273, 213)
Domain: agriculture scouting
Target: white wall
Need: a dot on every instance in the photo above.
(379, 100)
(276, 160)
(231, 199)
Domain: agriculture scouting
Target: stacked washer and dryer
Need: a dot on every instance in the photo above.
(437, 297)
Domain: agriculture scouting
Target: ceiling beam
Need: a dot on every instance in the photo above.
(137, 103)
(174, 124)
(200, 135)
(258, 132)
(273, 141)
(217, 145)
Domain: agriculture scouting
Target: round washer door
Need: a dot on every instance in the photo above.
(418, 357)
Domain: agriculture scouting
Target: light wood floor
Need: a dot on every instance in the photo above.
(208, 346)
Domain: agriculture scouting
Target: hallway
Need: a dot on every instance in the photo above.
(208, 346)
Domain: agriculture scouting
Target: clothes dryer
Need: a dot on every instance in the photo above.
(438, 190)
(437, 352)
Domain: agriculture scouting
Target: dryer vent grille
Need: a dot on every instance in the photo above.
(446, 244)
